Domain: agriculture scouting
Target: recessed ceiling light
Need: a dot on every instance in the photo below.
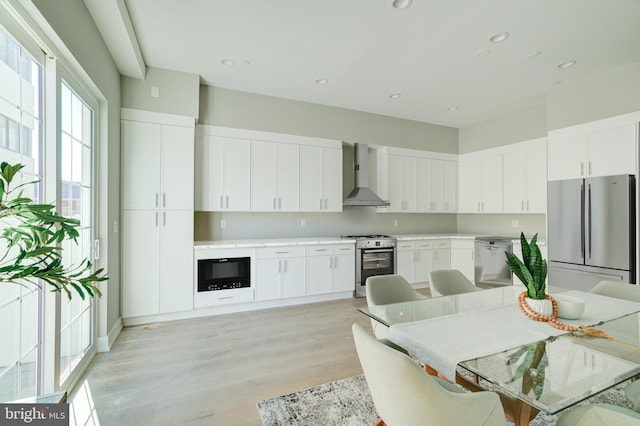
(498, 38)
(401, 4)
(228, 62)
(566, 64)
(533, 54)
(321, 81)
(395, 95)
(452, 108)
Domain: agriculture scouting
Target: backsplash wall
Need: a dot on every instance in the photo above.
(501, 224)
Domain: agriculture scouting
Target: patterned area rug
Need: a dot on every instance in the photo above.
(347, 402)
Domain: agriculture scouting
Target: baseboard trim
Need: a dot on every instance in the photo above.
(104, 344)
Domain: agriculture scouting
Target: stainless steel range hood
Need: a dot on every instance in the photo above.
(361, 194)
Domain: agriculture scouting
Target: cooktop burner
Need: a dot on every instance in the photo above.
(366, 236)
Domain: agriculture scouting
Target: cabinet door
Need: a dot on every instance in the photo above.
(409, 184)
(263, 176)
(177, 167)
(450, 185)
(436, 184)
(332, 179)
(423, 190)
(612, 151)
(176, 260)
(140, 262)
(209, 173)
(319, 274)
(288, 177)
(422, 265)
(344, 270)
(470, 186)
(293, 277)
(141, 165)
(311, 179)
(267, 281)
(404, 267)
(237, 172)
(492, 184)
(462, 258)
(441, 259)
(566, 156)
(395, 183)
(514, 184)
(536, 180)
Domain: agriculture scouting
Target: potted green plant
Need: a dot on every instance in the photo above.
(532, 271)
(30, 237)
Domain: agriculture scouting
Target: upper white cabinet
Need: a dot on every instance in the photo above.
(275, 176)
(480, 183)
(246, 170)
(605, 147)
(222, 173)
(157, 165)
(320, 179)
(525, 177)
(416, 181)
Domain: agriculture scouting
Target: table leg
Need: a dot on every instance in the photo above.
(516, 410)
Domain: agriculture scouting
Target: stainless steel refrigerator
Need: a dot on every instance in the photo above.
(591, 231)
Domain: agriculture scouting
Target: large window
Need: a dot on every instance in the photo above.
(21, 76)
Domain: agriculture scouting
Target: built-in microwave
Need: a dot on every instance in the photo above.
(224, 273)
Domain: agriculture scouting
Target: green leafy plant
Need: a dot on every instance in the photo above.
(532, 367)
(532, 269)
(30, 237)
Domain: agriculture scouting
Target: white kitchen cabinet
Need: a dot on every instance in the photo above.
(157, 261)
(480, 184)
(593, 149)
(157, 169)
(441, 255)
(414, 260)
(403, 184)
(525, 179)
(462, 257)
(320, 179)
(330, 268)
(280, 272)
(157, 217)
(222, 173)
(274, 176)
(442, 186)
(404, 259)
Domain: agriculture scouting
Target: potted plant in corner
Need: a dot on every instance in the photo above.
(30, 237)
(532, 271)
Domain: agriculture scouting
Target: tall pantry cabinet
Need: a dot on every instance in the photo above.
(157, 221)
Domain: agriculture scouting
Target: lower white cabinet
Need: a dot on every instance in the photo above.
(414, 260)
(462, 257)
(157, 261)
(441, 255)
(330, 268)
(280, 272)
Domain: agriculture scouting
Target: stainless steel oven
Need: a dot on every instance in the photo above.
(375, 255)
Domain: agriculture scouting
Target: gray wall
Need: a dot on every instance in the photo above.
(73, 24)
(179, 92)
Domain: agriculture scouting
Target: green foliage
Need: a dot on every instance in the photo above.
(532, 269)
(30, 235)
(532, 368)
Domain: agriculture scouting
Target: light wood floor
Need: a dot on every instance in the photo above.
(213, 370)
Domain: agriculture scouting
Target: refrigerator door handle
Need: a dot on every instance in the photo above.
(582, 222)
(589, 212)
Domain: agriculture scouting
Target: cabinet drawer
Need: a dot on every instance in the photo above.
(222, 297)
(329, 249)
(280, 252)
(406, 245)
(442, 244)
(426, 244)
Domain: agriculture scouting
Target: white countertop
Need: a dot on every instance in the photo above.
(271, 242)
(408, 237)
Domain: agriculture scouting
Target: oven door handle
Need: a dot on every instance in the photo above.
(380, 250)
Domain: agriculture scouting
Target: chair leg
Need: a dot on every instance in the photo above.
(379, 422)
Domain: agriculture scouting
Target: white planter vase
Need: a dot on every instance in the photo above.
(541, 306)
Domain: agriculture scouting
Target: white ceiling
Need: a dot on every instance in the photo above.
(434, 53)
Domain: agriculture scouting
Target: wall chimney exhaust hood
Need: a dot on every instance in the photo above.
(361, 194)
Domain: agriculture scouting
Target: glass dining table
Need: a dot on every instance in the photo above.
(548, 374)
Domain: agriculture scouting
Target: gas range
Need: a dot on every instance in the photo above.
(375, 255)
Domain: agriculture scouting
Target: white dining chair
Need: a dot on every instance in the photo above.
(385, 290)
(404, 395)
(599, 414)
(617, 289)
(448, 282)
(633, 393)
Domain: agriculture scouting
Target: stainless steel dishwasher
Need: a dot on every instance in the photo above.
(490, 261)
